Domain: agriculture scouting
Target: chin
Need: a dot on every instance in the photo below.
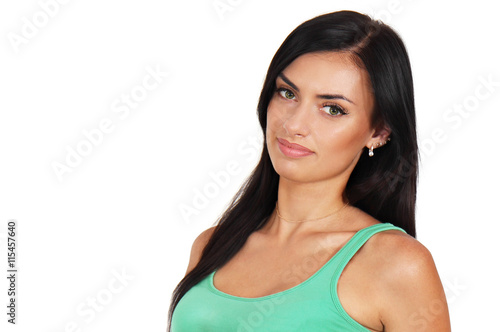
(292, 171)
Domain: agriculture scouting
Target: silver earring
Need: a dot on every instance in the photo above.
(370, 152)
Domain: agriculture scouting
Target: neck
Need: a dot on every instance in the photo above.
(305, 201)
(299, 203)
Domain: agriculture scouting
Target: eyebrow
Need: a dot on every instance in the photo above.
(323, 96)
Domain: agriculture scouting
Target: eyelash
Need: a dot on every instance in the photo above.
(333, 106)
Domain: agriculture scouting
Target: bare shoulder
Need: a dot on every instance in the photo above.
(400, 254)
(198, 245)
(393, 252)
(394, 239)
(407, 277)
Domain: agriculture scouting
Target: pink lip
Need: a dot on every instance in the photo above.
(293, 150)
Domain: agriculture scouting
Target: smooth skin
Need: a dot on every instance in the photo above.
(323, 102)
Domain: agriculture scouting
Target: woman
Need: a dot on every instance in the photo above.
(321, 236)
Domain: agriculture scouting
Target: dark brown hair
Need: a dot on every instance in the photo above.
(383, 186)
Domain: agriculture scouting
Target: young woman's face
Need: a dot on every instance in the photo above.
(323, 102)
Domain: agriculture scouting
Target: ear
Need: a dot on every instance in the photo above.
(379, 137)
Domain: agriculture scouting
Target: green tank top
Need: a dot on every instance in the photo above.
(311, 306)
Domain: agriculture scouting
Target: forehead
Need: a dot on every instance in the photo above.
(329, 72)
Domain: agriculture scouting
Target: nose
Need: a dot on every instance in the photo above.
(296, 121)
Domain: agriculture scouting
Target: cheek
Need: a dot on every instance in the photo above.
(274, 118)
(344, 142)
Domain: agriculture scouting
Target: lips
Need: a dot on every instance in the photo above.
(293, 150)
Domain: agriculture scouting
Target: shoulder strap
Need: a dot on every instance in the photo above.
(351, 248)
(357, 241)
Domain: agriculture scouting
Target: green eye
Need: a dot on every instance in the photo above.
(285, 93)
(334, 110)
(289, 94)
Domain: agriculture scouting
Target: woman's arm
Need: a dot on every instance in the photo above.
(198, 245)
(413, 296)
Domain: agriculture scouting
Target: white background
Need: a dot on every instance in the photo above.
(118, 210)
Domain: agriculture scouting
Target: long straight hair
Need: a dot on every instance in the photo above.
(383, 186)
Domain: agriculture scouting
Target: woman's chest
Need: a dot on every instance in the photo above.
(261, 268)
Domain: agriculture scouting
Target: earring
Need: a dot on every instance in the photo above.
(379, 144)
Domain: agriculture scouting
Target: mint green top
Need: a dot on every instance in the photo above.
(311, 306)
